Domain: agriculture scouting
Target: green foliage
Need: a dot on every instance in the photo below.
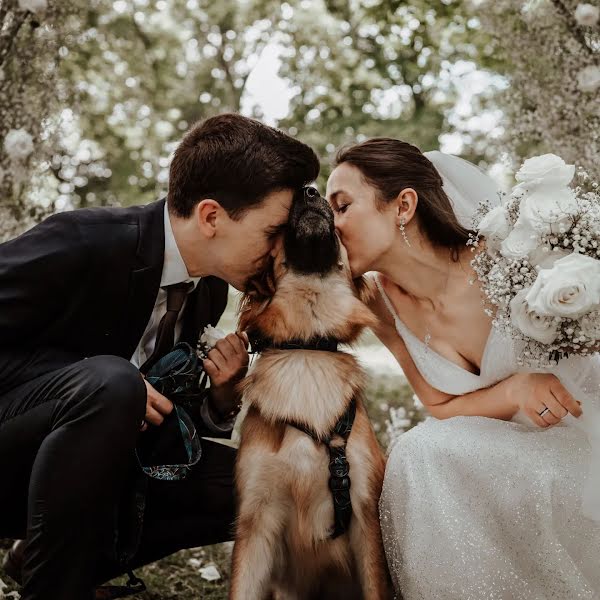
(364, 69)
(145, 73)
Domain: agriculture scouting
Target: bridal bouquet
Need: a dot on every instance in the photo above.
(541, 264)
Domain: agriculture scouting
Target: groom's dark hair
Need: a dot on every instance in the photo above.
(236, 161)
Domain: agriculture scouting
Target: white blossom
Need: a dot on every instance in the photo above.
(547, 169)
(520, 242)
(18, 144)
(541, 328)
(35, 6)
(545, 258)
(494, 227)
(537, 11)
(590, 325)
(588, 79)
(543, 105)
(571, 288)
(210, 336)
(546, 209)
(587, 15)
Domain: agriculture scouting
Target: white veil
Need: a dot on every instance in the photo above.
(465, 184)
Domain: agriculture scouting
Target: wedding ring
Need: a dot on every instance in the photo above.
(546, 409)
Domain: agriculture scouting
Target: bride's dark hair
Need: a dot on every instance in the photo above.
(390, 166)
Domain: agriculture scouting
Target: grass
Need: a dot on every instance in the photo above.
(177, 578)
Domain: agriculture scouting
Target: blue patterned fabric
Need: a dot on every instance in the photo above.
(168, 451)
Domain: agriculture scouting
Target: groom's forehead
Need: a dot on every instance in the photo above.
(275, 208)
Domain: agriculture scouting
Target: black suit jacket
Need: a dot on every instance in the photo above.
(83, 283)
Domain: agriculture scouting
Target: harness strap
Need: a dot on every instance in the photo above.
(339, 469)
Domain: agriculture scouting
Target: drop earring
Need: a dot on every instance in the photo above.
(403, 231)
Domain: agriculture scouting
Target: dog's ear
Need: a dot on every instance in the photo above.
(260, 289)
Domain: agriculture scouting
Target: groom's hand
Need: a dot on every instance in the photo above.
(157, 407)
(226, 365)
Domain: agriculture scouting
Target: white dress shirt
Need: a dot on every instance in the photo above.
(174, 271)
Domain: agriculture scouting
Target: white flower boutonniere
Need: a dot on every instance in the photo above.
(208, 340)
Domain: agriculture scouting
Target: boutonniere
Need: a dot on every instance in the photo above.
(208, 340)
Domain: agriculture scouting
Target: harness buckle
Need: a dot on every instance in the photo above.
(341, 484)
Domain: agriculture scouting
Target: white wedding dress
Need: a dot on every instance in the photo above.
(475, 508)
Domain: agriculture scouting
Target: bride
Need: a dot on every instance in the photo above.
(486, 498)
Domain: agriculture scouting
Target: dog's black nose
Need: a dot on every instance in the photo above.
(311, 194)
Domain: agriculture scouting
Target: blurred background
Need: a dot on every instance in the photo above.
(95, 95)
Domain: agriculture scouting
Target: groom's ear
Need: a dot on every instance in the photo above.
(207, 214)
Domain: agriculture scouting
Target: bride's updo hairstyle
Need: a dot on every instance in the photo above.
(390, 166)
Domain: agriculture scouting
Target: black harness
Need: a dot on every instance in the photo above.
(336, 440)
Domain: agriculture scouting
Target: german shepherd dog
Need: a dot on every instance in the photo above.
(295, 460)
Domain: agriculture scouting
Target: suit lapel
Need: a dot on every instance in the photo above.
(145, 277)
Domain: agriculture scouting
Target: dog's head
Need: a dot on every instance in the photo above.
(307, 289)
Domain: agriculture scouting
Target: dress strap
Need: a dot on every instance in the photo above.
(388, 305)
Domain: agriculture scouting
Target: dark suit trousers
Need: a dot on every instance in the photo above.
(67, 437)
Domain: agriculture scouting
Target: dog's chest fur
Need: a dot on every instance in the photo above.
(304, 386)
(312, 388)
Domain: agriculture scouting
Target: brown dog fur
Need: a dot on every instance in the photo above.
(283, 547)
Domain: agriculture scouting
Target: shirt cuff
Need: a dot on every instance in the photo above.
(223, 427)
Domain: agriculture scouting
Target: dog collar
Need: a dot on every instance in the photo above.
(327, 344)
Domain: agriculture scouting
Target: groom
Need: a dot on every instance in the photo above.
(87, 299)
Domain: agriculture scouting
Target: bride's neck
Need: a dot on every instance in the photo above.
(421, 270)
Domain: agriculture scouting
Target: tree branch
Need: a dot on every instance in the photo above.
(236, 94)
(147, 43)
(10, 35)
(572, 25)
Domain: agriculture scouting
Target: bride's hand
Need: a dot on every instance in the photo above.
(534, 392)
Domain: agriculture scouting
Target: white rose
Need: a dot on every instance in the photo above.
(587, 15)
(18, 144)
(35, 6)
(571, 288)
(541, 328)
(588, 79)
(590, 325)
(210, 336)
(545, 209)
(520, 242)
(494, 227)
(545, 258)
(545, 169)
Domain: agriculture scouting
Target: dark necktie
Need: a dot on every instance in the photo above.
(165, 335)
